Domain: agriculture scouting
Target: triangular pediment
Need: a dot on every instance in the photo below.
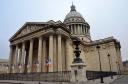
(30, 27)
(18, 32)
(27, 28)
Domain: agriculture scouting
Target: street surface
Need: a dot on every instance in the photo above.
(122, 80)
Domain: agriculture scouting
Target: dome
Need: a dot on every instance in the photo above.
(73, 16)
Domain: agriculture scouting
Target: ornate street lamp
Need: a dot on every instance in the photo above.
(110, 65)
(101, 77)
(77, 52)
(118, 67)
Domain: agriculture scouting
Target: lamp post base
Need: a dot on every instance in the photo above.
(102, 80)
(78, 72)
(77, 60)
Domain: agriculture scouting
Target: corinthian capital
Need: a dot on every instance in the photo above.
(59, 31)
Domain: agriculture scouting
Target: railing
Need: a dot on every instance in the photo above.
(97, 74)
(63, 76)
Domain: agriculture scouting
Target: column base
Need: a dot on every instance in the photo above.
(29, 69)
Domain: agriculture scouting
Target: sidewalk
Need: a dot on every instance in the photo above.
(107, 80)
(30, 82)
(122, 80)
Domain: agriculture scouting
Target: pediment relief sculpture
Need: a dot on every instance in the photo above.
(26, 29)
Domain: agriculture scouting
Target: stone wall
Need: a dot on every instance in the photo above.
(90, 57)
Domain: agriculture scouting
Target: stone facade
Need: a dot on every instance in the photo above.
(125, 64)
(48, 47)
(3, 66)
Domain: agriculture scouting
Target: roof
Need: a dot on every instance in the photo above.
(73, 14)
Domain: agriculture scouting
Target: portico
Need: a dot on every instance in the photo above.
(42, 53)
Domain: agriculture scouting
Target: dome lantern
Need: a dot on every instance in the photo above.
(73, 8)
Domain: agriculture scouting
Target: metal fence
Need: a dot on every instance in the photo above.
(63, 76)
(97, 74)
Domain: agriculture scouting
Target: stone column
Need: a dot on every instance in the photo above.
(67, 55)
(82, 30)
(16, 60)
(40, 54)
(119, 60)
(51, 52)
(19, 59)
(10, 59)
(59, 54)
(44, 68)
(71, 30)
(79, 29)
(63, 54)
(30, 56)
(23, 57)
(19, 55)
(75, 29)
(55, 55)
(87, 31)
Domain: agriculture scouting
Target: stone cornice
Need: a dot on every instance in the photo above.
(62, 32)
(30, 36)
(87, 25)
(104, 43)
(42, 32)
(106, 40)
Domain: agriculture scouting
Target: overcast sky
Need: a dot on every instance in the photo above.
(106, 18)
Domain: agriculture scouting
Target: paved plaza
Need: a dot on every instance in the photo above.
(122, 80)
